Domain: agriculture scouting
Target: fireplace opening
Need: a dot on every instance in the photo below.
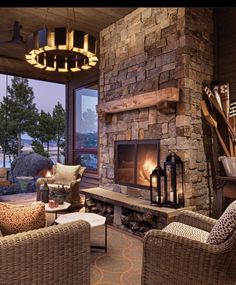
(135, 160)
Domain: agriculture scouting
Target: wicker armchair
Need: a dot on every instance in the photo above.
(172, 259)
(58, 254)
(69, 176)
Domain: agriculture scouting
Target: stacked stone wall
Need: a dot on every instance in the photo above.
(151, 49)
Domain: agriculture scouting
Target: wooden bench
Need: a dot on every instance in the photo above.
(163, 215)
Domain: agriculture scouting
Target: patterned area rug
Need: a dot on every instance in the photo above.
(122, 263)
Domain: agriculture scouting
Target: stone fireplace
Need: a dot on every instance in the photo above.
(153, 64)
(135, 161)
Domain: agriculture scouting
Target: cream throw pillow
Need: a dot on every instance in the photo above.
(65, 174)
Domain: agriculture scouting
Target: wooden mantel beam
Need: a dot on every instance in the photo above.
(157, 98)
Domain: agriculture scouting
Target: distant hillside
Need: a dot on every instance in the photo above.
(27, 143)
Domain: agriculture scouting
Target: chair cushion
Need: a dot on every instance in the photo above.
(224, 227)
(186, 231)
(15, 219)
(3, 174)
(65, 174)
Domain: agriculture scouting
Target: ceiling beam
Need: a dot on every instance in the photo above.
(18, 67)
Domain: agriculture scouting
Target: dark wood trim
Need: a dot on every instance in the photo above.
(67, 123)
(86, 150)
(226, 189)
(226, 178)
(216, 45)
(225, 43)
(73, 122)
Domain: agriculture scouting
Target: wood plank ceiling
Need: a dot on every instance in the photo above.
(12, 55)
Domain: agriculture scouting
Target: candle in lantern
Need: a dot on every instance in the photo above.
(172, 197)
(154, 179)
(162, 199)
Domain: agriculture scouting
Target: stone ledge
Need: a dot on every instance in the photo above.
(135, 204)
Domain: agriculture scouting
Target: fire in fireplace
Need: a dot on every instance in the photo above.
(135, 160)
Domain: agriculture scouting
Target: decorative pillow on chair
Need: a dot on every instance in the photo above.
(224, 227)
(3, 174)
(66, 173)
(15, 219)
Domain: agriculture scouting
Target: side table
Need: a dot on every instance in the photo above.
(95, 220)
(226, 189)
(61, 207)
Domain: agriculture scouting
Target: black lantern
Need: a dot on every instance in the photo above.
(156, 186)
(173, 168)
(44, 193)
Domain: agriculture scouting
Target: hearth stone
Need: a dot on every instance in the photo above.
(117, 188)
(138, 193)
(133, 192)
(123, 189)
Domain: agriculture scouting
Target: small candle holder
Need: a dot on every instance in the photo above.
(53, 204)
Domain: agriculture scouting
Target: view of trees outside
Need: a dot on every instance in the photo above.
(19, 116)
(86, 126)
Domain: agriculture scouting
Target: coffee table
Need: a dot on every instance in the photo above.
(95, 220)
(61, 207)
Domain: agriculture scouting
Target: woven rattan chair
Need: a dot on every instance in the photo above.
(70, 178)
(170, 259)
(58, 254)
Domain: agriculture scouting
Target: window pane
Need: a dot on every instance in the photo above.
(88, 160)
(86, 117)
(86, 139)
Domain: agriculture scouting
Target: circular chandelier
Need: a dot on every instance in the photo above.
(61, 50)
